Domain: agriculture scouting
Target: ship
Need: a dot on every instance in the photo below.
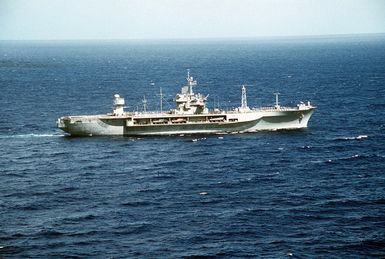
(190, 116)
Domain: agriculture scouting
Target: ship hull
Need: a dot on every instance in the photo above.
(198, 128)
(282, 120)
(104, 125)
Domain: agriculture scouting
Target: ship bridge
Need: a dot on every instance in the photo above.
(187, 101)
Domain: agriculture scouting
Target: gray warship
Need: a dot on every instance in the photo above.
(190, 116)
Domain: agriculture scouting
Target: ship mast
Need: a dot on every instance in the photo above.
(244, 107)
(144, 103)
(244, 98)
(161, 99)
(276, 100)
(190, 83)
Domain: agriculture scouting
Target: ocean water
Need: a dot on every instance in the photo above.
(318, 192)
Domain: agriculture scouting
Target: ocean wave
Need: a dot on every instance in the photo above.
(353, 202)
(86, 233)
(156, 190)
(31, 207)
(198, 139)
(359, 137)
(373, 247)
(68, 189)
(32, 135)
(79, 218)
(134, 228)
(354, 157)
(138, 203)
(50, 233)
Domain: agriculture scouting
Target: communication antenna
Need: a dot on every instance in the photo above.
(216, 102)
(144, 101)
(160, 96)
(277, 100)
(190, 82)
(244, 98)
(161, 99)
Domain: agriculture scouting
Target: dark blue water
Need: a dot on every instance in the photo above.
(313, 193)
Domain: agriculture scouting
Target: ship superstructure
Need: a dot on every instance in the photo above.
(190, 116)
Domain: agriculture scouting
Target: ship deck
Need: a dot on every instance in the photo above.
(157, 114)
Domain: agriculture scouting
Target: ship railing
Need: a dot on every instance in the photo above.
(235, 110)
(145, 114)
(280, 108)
